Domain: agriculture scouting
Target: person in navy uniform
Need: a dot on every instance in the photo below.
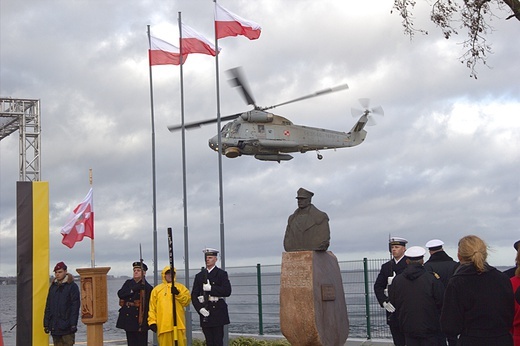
(133, 317)
(442, 266)
(388, 272)
(210, 287)
(417, 296)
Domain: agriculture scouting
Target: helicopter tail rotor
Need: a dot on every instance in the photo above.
(365, 103)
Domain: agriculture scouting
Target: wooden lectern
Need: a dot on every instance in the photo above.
(94, 302)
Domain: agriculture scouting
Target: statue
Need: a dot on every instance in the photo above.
(308, 227)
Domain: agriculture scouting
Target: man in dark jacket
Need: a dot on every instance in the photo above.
(442, 266)
(417, 297)
(62, 307)
(133, 317)
(388, 272)
(210, 287)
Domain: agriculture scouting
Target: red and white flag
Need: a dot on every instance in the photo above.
(193, 42)
(229, 24)
(164, 53)
(80, 223)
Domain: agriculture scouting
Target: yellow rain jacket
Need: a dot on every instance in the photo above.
(161, 307)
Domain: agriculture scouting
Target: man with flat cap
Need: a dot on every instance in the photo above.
(62, 307)
(210, 287)
(389, 270)
(511, 271)
(308, 227)
(417, 297)
(134, 299)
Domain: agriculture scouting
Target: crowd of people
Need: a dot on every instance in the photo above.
(445, 302)
(437, 302)
(144, 308)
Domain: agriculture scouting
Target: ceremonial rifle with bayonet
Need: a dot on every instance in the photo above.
(174, 289)
(142, 291)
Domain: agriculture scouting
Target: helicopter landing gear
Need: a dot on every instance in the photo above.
(318, 155)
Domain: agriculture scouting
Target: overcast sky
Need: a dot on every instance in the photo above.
(442, 163)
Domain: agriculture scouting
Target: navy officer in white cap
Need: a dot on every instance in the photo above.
(210, 288)
(417, 297)
(439, 262)
(389, 270)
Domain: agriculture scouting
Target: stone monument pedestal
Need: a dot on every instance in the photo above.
(313, 310)
(94, 302)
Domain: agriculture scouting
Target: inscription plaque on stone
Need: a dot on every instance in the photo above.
(327, 292)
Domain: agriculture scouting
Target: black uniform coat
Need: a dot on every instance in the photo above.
(417, 297)
(387, 270)
(478, 306)
(62, 306)
(220, 287)
(441, 264)
(128, 318)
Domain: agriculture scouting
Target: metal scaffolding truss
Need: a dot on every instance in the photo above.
(23, 115)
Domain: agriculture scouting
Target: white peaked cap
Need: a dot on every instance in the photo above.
(210, 251)
(434, 243)
(415, 252)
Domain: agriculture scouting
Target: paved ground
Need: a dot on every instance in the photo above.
(198, 335)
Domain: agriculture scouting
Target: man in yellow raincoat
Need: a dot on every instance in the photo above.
(160, 316)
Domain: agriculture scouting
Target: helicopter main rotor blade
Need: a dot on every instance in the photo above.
(239, 80)
(317, 93)
(203, 122)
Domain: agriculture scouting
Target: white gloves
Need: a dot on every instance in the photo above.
(390, 279)
(201, 299)
(204, 312)
(206, 287)
(389, 307)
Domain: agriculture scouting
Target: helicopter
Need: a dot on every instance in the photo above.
(271, 137)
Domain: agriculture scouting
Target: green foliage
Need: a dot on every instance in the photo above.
(246, 341)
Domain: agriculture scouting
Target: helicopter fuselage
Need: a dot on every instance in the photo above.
(270, 137)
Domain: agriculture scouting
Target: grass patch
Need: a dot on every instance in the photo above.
(247, 341)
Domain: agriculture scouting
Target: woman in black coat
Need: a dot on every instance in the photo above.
(478, 302)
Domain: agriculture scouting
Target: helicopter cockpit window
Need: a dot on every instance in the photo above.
(226, 130)
(261, 128)
(235, 128)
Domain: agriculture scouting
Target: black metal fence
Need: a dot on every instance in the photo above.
(254, 305)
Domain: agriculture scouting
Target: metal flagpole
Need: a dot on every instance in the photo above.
(220, 187)
(92, 255)
(154, 205)
(184, 193)
(154, 189)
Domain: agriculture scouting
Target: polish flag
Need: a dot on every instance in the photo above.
(230, 24)
(80, 223)
(193, 42)
(164, 53)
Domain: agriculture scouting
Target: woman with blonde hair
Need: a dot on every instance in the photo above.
(515, 281)
(478, 304)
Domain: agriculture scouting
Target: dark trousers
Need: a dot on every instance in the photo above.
(214, 335)
(64, 340)
(137, 338)
(397, 336)
(432, 340)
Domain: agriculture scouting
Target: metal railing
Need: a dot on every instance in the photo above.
(254, 305)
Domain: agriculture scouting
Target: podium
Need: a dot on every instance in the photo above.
(94, 302)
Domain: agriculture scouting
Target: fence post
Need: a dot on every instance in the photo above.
(260, 313)
(367, 298)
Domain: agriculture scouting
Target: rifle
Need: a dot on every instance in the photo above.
(205, 293)
(142, 291)
(170, 251)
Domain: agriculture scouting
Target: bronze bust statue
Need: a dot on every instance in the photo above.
(308, 227)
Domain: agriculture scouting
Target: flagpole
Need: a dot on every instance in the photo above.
(154, 186)
(92, 256)
(220, 187)
(154, 193)
(184, 193)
